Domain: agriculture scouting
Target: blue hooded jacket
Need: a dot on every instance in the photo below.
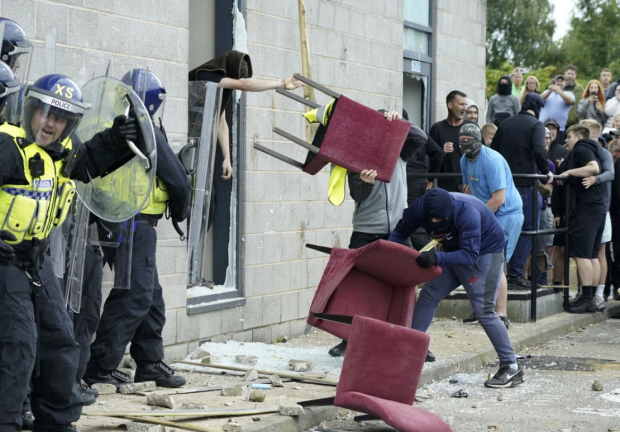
(469, 228)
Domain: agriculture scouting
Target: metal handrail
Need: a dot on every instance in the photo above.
(533, 233)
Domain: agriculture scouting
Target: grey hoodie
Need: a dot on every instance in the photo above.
(501, 106)
(379, 207)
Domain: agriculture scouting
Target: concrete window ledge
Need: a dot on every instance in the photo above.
(209, 304)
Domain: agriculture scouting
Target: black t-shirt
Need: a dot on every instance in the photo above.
(443, 132)
(591, 200)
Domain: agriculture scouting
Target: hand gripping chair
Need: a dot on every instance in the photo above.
(376, 281)
(355, 137)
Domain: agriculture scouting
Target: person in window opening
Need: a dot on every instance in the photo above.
(233, 71)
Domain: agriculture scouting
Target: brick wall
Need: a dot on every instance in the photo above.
(460, 56)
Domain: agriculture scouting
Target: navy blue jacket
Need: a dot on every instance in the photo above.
(473, 230)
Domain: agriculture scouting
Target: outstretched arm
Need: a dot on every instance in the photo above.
(259, 85)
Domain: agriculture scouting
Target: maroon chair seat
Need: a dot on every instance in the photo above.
(380, 375)
(355, 137)
(376, 281)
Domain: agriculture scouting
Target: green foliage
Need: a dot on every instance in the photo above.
(519, 32)
(517, 35)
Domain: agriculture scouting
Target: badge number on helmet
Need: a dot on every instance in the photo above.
(65, 91)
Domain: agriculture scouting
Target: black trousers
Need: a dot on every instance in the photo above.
(135, 315)
(615, 265)
(55, 398)
(85, 323)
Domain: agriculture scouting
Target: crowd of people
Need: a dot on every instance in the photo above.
(566, 130)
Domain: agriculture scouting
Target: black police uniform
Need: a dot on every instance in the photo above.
(55, 398)
(138, 315)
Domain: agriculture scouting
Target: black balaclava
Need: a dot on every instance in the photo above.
(504, 89)
(438, 203)
(471, 148)
(533, 102)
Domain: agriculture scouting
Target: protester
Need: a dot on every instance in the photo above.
(571, 85)
(503, 104)
(517, 80)
(558, 103)
(446, 134)
(612, 112)
(378, 205)
(488, 132)
(488, 177)
(472, 255)
(472, 111)
(605, 79)
(604, 178)
(615, 215)
(531, 86)
(592, 104)
(587, 212)
(521, 141)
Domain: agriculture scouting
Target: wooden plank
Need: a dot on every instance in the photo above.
(190, 427)
(189, 390)
(238, 412)
(309, 378)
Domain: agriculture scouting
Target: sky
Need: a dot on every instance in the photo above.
(562, 14)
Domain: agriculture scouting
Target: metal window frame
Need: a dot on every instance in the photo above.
(411, 55)
(213, 302)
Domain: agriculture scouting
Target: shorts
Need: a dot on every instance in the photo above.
(511, 224)
(559, 240)
(607, 231)
(586, 232)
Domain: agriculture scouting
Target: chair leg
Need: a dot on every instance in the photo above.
(316, 85)
(297, 98)
(279, 156)
(296, 140)
(317, 402)
(366, 417)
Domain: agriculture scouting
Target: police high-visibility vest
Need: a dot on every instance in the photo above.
(158, 199)
(33, 210)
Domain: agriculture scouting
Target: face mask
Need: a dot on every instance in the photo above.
(440, 228)
(503, 88)
(471, 148)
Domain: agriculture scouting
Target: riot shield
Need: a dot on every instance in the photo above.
(77, 253)
(122, 194)
(204, 100)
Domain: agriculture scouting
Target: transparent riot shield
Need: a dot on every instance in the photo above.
(204, 100)
(121, 194)
(77, 253)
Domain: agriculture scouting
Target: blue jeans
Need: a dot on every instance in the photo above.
(524, 245)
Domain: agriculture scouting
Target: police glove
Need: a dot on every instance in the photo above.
(427, 259)
(7, 254)
(124, 128)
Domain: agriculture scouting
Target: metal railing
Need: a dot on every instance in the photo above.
(534, 233)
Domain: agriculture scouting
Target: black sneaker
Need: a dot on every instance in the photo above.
(27, 421)
(472, 319)
(505, 377)
(504, 319)
(85, 388)
(430, 357)
(598, 304)
(114, 377)
(339, 350)
(87, 398)
(616, 295)
(161, 373)
(519, 283)
(581, 306)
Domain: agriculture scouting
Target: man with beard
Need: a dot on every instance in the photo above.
(472, 255)
(446, 134)
(571, 85)
(558, 102)
(521, 141)
(503, 104)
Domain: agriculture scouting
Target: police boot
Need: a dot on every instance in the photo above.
(27, 421)
(87, 397)
(160, 372)
(115, 377)
(38, 427)
(85, 388)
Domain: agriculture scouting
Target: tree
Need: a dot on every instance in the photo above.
(592, 42)
(519, 32)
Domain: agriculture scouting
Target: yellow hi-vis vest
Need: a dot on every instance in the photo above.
(31, 211)
(338, 174)
(158, 199)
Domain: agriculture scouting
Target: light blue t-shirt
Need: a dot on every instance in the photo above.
(490, 173)
(556, 108)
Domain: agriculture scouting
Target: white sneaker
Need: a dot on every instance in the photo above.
(598, 304)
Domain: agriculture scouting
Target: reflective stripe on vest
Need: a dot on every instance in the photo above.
(158, 199)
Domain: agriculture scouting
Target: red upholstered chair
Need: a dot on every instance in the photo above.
(376, 281)
(380, 375)
(356, 137)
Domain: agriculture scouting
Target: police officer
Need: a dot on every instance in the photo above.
(34, 199)
(138, 315)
